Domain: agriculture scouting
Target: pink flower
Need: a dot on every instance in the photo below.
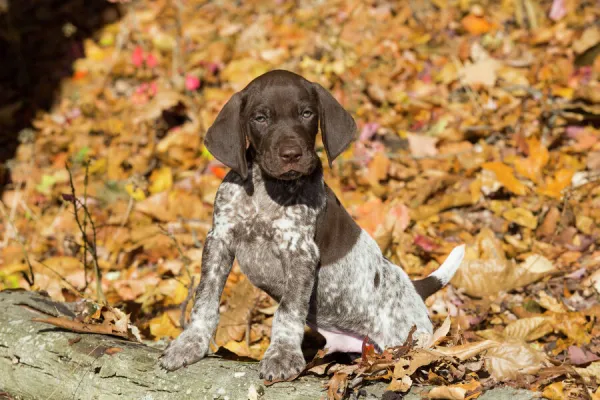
(152, 89)
(192, 83)
(558, 10)
(151, 61)
(137, 58)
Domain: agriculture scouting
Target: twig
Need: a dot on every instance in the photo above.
(186, 260)
(87, 245)
(62, 278)
(186, 265)
(183, 306)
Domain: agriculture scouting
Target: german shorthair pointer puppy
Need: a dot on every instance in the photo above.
(292, 237)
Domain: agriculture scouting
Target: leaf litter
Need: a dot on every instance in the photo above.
(478, 124)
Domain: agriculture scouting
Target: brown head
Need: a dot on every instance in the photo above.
(280, 113)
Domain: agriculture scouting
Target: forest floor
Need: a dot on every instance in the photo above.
(478, 124)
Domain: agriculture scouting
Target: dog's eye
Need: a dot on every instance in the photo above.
(260, 118)
(307, 114)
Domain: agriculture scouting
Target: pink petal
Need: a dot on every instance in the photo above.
(137, 58)
(558, 10)
(192, 82)
(151, 61)
(368, 131)
(425, 243)
(152, 89)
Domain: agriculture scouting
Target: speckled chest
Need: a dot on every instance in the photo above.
(279, 215)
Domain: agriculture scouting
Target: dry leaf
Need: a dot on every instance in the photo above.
(506, 177)
(531, 167)
(511, 359)
(461, 391)
(529, 328)
(521, 217)
(592, 371)
(336, 387)
(485, 270)
(163, 327)
(421, 145)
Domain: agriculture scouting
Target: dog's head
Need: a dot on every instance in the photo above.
(279, 113)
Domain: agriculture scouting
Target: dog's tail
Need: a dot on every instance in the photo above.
(438, 279)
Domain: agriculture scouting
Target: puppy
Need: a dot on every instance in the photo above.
(291, 236)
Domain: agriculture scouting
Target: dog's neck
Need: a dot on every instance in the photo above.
(278, 188)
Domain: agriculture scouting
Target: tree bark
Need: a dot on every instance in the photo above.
(40, 361)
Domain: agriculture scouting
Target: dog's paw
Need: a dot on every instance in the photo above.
(281, 362)
(188, 348)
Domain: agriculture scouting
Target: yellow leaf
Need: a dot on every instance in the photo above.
(506, 177)
(565, 92)
(163, 326)
(591, 371)
(161, 180)
(239, 348)
(521, 217)
(98, 166)
(531, 167)
(174, 291)
(554, 391)
(135, 192)
(241, 71)
(555, 186)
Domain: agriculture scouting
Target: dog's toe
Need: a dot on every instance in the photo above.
(187, 349)
(282, 363)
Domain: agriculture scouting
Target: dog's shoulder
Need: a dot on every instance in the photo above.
(337, 232)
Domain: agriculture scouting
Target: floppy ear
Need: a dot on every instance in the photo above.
(226, 139)
(337, 125)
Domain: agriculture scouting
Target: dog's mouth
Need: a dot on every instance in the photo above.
(287, 172)
(290, 175)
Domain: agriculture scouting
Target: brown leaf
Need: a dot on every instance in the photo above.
(485, 270)
(113, 350)
(234, 320)
(460, 391)
(511, 359)
(76, 326)
(336, 387)
(422, 146)
(529, 328)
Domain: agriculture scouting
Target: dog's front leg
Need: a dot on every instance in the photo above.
(284, 358)
(192, 344)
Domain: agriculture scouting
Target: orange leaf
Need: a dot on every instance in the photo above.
(531, 167)
(113, 350)
(554, 186)
(506, 177)
(219, 172)
(476, 25)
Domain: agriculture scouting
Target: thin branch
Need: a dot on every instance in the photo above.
(183, 306)
(88, 246)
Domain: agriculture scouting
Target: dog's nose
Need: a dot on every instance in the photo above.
(290, 154)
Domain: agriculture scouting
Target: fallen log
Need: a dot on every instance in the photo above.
(40, 361)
